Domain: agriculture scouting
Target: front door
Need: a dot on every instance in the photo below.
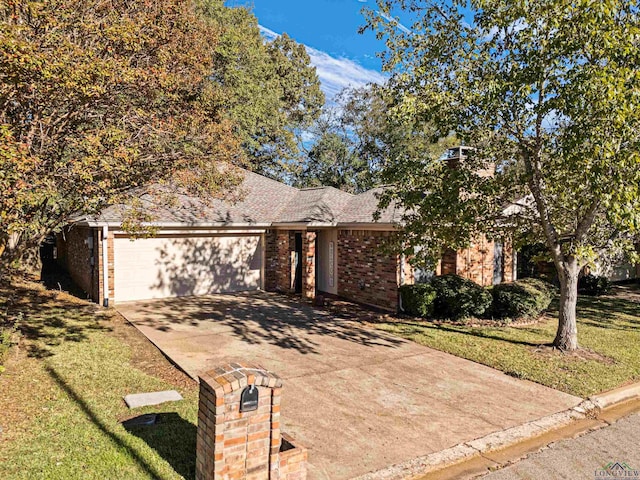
(327, 261)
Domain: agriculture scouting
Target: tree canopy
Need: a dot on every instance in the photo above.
(548, 95)
(99, 97)
(271, 90)
(354, 138)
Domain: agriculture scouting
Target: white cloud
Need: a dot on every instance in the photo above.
(335, 73)
(395, 23)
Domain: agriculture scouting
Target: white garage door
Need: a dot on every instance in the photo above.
(174, 266)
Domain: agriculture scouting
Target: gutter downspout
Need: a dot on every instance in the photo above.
(105, 265)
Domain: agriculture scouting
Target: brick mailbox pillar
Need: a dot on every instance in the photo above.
(238, 435)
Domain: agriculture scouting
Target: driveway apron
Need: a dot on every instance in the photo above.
(358, 398)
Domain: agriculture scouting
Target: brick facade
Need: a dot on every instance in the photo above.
(508, 259)
(248, 445)
(449, 263)
(271, 267)
(280, 262)
(476, 262)
(77, 253)
(80, 253)
(309, 264)
(366, 273)
(280, 247)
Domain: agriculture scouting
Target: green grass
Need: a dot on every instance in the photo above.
(61, 399)
(608, 332)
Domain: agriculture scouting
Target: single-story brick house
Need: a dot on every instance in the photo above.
(276, 238)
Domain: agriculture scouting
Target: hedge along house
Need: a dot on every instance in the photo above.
(275, 238)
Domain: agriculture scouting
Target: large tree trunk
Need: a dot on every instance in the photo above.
(567, 335)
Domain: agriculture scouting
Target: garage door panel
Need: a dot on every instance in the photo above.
(172, 266)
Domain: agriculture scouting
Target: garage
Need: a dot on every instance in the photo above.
(178, 265)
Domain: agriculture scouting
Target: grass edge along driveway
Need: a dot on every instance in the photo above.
(61, 395)
(608, 333)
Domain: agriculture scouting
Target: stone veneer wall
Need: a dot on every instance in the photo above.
(366, 274)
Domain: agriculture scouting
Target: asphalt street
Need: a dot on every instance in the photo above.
(585, 457)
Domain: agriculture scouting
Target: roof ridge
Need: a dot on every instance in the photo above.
(246, 170)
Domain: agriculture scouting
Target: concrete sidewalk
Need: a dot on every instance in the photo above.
(360, 399)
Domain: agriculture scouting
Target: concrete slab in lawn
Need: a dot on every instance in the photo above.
(360, 399)
(136, 400)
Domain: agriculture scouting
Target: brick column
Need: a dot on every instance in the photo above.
(309, 264)
(243, 445)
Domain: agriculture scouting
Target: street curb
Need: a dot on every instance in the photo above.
(618, 395)
(466, 451)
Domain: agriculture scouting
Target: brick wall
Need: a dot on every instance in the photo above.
(110, 265)
(76, 252)
(366, 274)
(449, 263)
(232, 444)
(271, 260)
(293, 460)
(279, 249)
(409, 277)
(508, 257)
(476, 262)
(309, 264)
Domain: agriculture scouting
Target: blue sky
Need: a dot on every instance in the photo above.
(329, 29)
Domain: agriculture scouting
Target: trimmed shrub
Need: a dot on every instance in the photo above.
(417, 300)
(526, 298)
(593, 285)
(457, 297)
(539, 284)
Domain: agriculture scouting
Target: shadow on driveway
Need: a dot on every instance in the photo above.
(256, 318)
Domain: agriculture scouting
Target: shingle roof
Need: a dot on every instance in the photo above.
(262, 201)
(362, 207)
(323, 204)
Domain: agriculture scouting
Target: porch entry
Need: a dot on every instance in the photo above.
(327, 261)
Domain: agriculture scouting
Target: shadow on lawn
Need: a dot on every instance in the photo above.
(173, 438)
(46, 318)
(90, 414)
(595, 311)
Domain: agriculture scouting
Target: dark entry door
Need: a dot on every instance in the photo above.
(298, 264)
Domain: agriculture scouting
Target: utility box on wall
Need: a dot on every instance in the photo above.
(239, 427)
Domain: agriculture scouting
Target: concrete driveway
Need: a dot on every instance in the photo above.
(358, 398)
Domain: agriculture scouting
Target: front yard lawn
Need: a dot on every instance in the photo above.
(608, 332)
(61, 395)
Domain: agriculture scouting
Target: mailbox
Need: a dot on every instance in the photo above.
(249, 399)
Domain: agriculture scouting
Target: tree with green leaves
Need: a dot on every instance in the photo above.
(547, 93)
(98, 98)
(271, 91)
(353, 139)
